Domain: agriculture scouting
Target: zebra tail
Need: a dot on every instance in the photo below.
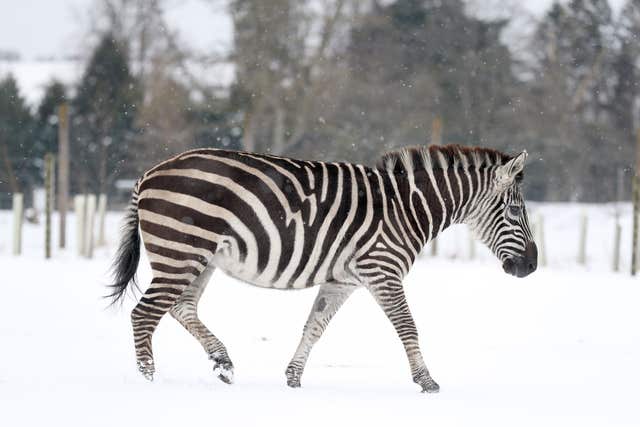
(127, 257)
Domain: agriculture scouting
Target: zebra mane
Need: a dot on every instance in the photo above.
(411, 159)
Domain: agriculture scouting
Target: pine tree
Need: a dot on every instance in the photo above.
(18, 162)
(626, 69)
(436, 48)
(104, 111)
(574, 97)
(46, 119)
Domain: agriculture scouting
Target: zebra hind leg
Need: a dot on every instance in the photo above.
(171, 277)
(156, 301)
(185, 311)
(328, 301)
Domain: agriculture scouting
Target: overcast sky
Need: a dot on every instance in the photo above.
(45, 28)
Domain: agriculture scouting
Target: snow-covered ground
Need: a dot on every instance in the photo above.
(560, 347)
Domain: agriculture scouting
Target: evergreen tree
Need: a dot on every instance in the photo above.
(46, 119)
(426, 59)
(18, 159)
(573, 100)
(104, 112)
(625, 69)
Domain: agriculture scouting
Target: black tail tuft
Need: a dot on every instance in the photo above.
(126, 262)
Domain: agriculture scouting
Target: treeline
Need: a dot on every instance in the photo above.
(346, 79)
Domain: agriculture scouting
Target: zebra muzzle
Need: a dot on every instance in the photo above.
(524, 265)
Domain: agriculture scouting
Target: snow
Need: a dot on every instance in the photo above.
(557, 348)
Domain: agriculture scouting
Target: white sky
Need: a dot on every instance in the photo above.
(45, 28)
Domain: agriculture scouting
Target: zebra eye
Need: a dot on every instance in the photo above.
(515, 210)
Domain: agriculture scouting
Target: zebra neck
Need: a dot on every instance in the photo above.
(425, 203)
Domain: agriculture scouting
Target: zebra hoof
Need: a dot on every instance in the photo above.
(147, 369)
(293, 382)
(293, 377)
(224, 371)
(429, 386)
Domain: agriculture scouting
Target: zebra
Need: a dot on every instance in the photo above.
(277, 222)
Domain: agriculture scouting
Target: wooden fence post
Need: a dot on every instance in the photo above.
(48, 202)
(436, 130)
(102, 211)
(63, 171)
(617, 235)
(89, 225)
(634, 237)
(635, 190)
(542, 249)
(436, 139)
(582, 248)
(18, 215)
(79, 203)
(616, 246)
(434, 247)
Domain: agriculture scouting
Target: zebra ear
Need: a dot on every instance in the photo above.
(506, 174)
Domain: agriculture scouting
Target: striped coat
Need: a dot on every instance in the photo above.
(282, 223)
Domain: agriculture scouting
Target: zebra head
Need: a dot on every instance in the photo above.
(502, 222)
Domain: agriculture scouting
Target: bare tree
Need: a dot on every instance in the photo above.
(280, 50)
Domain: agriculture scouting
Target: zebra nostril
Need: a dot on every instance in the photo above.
(531, 267)
(509, 266)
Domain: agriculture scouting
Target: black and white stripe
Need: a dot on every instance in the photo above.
(282, 223)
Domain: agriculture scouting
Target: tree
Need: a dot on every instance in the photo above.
(573, 98)
(141, 28)
(416, 60)
(279, 53)
(18, 159)
(625, 70)
(165, 128)
(104, 112)
(46, 119)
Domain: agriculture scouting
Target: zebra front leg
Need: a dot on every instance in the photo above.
(186, 312)
(156, 301)
(390, 296)
(328, 301)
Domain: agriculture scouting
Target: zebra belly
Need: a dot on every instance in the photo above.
(239, 270)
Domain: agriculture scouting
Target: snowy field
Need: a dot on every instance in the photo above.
(558, 348)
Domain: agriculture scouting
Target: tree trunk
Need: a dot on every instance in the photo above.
(11, 176)
(102, 169)
(248, 131)
(278, 130)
